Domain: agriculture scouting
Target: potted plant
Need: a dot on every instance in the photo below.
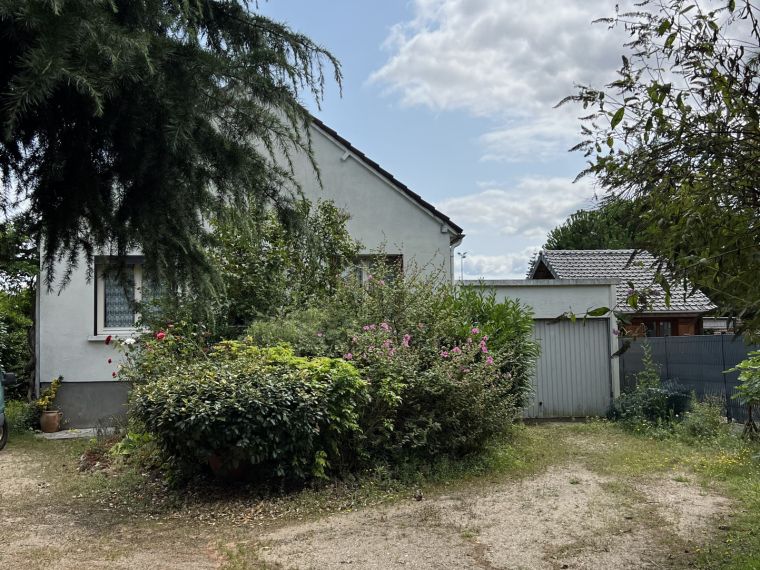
(50, 419)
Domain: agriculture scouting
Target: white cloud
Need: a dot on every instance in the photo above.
(508, 266)
(506, 224)
(539, 139)
(529, 209)
(509, 61)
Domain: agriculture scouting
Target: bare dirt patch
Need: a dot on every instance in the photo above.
(572, 515)
(568, 517)
(41, 529)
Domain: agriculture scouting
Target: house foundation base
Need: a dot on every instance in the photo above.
(91, 404)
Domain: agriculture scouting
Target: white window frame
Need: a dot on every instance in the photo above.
(100, 299)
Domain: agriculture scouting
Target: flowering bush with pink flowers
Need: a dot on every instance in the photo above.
(444, 368)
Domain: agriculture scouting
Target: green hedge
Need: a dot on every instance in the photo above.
(259, 409)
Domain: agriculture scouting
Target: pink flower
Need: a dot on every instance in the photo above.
(372, 327)
(385, 326)
(475, 330)
(365, 328)
(160, 335)
(485, 337)
(387, 343)
(348, 356)
(405, 341)
(615, 332)
(382, 282)
(489, 360)
(369, 277)
(320, 334)
(456, 350)
(108, 339)
(444, 354)
(483, 347)
(391, 352)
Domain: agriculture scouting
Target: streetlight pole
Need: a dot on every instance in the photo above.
(462, 257)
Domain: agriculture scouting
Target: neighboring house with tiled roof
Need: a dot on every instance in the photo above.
(681, 316)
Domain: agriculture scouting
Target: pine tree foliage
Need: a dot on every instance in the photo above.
(678, 131)
(128, 124)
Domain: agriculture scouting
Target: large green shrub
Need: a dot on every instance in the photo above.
(447, 367)
(262, 409)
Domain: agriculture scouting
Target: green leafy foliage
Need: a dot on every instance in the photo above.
(19, 266)
(613, 225)
(269, 266)
(652, 402)
(748, 391)
(279, 263)
(430, 371)
(21, 416)
(704, 422)
(128, 124)
(434, 389)
(47, 398)
(262, 409)
(686, 152)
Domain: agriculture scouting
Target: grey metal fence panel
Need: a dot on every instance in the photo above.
(697, 362)
(573, 375)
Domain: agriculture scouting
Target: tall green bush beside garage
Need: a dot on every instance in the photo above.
(385, 371)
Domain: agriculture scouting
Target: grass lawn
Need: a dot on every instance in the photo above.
(629, 488)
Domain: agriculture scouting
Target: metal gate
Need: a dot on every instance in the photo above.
(573, 374)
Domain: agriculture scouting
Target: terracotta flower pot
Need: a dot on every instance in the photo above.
(50, 421)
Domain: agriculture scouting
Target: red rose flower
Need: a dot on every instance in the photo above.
(160, 335)
(108, 339)
(113, 374)
(109, 361)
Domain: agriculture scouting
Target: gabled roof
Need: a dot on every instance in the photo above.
(458, 232)
(617, 264)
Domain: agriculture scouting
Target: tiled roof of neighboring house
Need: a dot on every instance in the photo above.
(459, 232)
(614, 263)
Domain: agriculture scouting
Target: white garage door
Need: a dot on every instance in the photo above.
(573, 373)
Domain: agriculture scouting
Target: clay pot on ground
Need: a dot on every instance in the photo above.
(50, 421)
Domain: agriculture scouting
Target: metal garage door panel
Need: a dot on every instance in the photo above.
(573, 374)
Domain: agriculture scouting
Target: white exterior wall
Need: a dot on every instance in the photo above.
(381, 216)
(66, 341)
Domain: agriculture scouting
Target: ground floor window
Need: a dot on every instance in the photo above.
(121, 288)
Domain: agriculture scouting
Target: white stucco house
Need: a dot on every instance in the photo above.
(72, 324)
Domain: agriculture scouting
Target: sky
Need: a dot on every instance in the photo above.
(456, 98)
